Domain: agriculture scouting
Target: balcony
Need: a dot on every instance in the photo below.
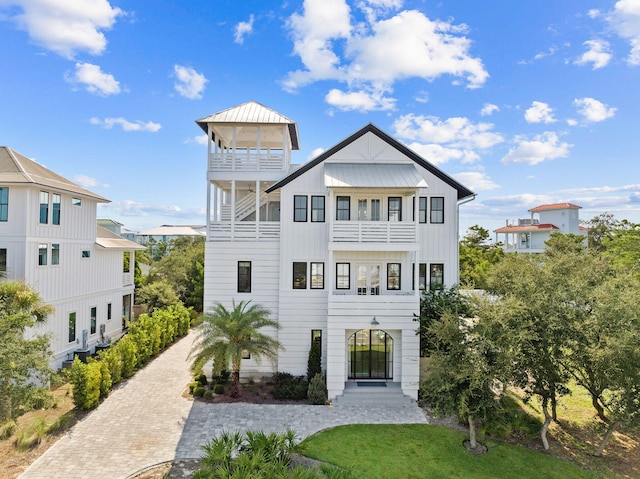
(244, 231)
(374, 233)
(247, 160)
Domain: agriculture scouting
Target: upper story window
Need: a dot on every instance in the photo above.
(299, 275)
(436, 276)
(244, 276)
(55, 253)
(422, 209)
(393, 276)
(317, 209)
(395, 208)
(343, 276)
(343, 208)
(437, 209)
(4, 204)
(44, 207)
(317, 275)
(76, 202)
(94, 317)
(86, 253)
(368, 209)
(299, 208)
(42, 254)
(108, 311)
(55, 209)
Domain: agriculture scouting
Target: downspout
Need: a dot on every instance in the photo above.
(460, 203)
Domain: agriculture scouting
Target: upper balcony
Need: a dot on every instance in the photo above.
(380, 233)
(248, 160)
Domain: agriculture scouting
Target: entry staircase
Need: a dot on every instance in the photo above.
(373, 393)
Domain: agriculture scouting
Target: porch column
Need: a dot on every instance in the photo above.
(410, 363)
(233, 209)
(258, 200)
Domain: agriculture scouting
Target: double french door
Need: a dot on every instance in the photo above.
(370, 355)
(368, 279)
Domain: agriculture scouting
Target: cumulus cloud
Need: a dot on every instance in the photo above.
(373, 54)
(489, 109)
(438, 154)
(315, 153)
(593, 110)
(476, 181)
(89, 182)
(624, 19)
(243, 29)
(62, 26)
(189, 83)
(126, 125)
(598, 53)
(197, 140)
(134, 208)
(539, 112)
(359, 100)
(543, 147)
(94, 80)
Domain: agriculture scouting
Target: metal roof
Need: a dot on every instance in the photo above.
(108, 239)
(18, 169)
(364, 175)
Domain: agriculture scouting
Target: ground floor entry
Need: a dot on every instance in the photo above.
(370, 355)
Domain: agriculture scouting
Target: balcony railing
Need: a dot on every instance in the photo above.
(373, 232)
(244, 231)
(241, 161)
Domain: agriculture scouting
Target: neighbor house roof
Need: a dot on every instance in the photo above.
(463, 192)
(108, 222)
(554, 206)
(18, 169)
(108, 239)
(526, 228)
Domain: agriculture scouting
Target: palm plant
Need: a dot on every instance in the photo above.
(226, 333)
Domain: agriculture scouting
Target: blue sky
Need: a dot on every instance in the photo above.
(525, 103)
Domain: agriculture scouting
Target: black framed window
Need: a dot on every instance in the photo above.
(437, 209)
(299, 275)
(436, 276)
(55, 253)
(422, 209)
(3, 259)
(422, 276)
(316, 337)
(72, 327)
(4, 204)
(343, 276)
(317, 275)
(44, 207)
(42, 255)
(299, 208)
(108, 311)
(393, 276)
(55, 209)
(94, 318)
(395, 209)
(317, 209)
(244, 276)
(343, 208)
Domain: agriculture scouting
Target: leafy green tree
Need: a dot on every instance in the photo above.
(477, 256)
(157, 295)
(623, 245)
(21, 360)
(231, 332)
(600, 228)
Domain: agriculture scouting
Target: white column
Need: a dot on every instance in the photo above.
(258, 205)
(233, 207)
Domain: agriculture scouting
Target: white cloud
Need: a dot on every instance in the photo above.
(539, 112)
(359, 100)
(94, 79)
(315, 153)
(625, 21)
(593, 110)
(438, 154)
(545, 146)
(598, 53)
(189, 83)
(134, 208)
(476, 181)
(593, 13)
(126, 125)
(489, 109)
(243, 29)
(88, 182)
(197, 140)
(65, 27)
(372, 55)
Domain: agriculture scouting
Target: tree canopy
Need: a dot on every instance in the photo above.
(477, 256)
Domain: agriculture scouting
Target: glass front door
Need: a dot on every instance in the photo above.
(370, 355)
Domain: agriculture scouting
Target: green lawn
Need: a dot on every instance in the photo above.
(433, 452)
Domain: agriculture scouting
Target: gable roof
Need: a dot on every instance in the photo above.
(252, 112)
(18, 169)
(463, 192)
(555, 206)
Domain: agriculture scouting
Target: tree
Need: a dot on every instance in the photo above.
(477, 256)
(623, 245)
(232, 333)
(157, 295)
(21, 360)
(600, 228)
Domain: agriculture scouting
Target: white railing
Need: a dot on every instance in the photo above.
(236, 161)
(372, 232)
(244, 231)
(127, 279)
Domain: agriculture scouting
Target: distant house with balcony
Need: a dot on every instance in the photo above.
(337, 249)
(50, 239)
(528, 235)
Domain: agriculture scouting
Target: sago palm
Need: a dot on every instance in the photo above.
(227, 333)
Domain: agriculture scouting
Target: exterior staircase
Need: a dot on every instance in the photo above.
(371, 393)
(244, 207)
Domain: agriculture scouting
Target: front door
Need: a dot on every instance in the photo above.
(368, 279)
(370, 355)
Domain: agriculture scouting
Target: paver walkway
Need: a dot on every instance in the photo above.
(147, 421)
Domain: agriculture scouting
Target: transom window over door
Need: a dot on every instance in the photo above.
(368, 209)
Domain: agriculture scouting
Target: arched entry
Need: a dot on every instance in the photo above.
(370, 355)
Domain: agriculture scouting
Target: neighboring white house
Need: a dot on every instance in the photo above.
(49, 238)
(340, 248)
(528, 235)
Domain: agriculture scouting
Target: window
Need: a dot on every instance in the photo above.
(4, 204)
(3, 260)
(343, 276)
(395, 208)
(94, 317)
(437, 209)
(246, 354)
(316, 337)
(299, 208)
(422, 276)
(422, 214)
(317, 275)
(368, 209)
(317, 209)
(76, 202)
(436, 276)
(108, 311)
(44, 207)
(393, 276)
(55, 209)
(299, 275)
(55, 253)
(244, 276)
(72, 327)
(343, 208)
(42, 255)
(86, 253)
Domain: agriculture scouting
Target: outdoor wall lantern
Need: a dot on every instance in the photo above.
(374, 322)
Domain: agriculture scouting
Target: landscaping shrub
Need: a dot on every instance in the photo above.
(86, 380)
(287, 386)
(105, 378)
(222, 378)
(314, 363)
(201, 378)
(7, 429)
(113, 359)
(129, 354)
(32, 436)
(317, 392)
(192, 386)
(218, 389)
(198, 391)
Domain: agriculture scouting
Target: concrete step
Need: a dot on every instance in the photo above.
(362, 394)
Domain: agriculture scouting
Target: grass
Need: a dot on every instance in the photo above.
(419, 451)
